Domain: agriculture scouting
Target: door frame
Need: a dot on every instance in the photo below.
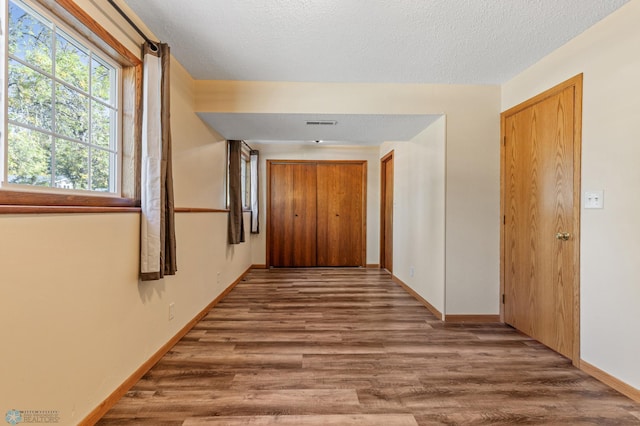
(383, 189)
(576, 83)
(364, 201)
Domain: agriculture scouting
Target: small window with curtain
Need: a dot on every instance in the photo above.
(61, 113)
(245, 177)
(242, 182)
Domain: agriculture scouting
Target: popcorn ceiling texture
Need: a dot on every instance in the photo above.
(374, 41)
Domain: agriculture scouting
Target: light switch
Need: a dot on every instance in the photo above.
(594, 199)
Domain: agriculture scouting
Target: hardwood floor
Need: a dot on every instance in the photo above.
(350, 347)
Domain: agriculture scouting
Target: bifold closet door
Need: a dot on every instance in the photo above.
(293, 214)
(340, 217)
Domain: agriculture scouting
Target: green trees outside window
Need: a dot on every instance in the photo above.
(61, 107)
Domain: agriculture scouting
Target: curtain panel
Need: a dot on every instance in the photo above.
(236, 220)
(157, 227)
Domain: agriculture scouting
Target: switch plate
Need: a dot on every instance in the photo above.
(171, 310)
(411, 271)
(594, 199)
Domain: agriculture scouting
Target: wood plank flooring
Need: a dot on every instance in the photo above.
(350, 347)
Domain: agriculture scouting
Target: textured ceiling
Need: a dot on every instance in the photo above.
(360, 41)
(356, 129)
(379, 41)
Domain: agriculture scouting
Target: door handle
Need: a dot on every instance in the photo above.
(563, 236)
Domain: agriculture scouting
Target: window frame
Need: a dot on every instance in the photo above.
(95, 54)
(130, 100)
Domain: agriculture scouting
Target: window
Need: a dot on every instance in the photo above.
(245, 178)
(248, 181)
(61, 112)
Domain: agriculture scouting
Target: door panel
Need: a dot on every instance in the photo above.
(304, 217)
(293, 214)
(386, 214)
(340, 214)
(538, 204)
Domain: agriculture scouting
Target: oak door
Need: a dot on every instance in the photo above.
(540, 231)
(292, 214)
(340, 214)
(386, 212)
(316, 213)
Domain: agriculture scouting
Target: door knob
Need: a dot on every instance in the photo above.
(564, 236)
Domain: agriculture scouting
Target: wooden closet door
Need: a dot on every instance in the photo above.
(293, 214)
(340, 214)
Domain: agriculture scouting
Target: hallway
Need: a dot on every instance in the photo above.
(349, 346)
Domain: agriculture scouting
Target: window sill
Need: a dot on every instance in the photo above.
(21, 198)
(199, 210)
(4, 209)
(19, 202)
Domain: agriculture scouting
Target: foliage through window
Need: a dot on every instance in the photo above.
(61, 108)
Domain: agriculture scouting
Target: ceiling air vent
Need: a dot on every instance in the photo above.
(322, 123)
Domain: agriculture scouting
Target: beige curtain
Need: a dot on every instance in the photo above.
(157, 227)
(236, 220)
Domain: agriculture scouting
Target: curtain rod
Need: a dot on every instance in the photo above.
(247, 145)
(152, 44)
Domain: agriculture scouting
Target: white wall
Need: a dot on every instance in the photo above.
(608, 55)
(75, 319)
(419, 212)
(313, 151)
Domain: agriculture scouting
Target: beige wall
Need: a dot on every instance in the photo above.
(608, 56)
(79, 323)
(75, 318)
(472, 166)
(419, 212)
(199, 153)
(472, 202)
(312, 151)
(463, 151)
